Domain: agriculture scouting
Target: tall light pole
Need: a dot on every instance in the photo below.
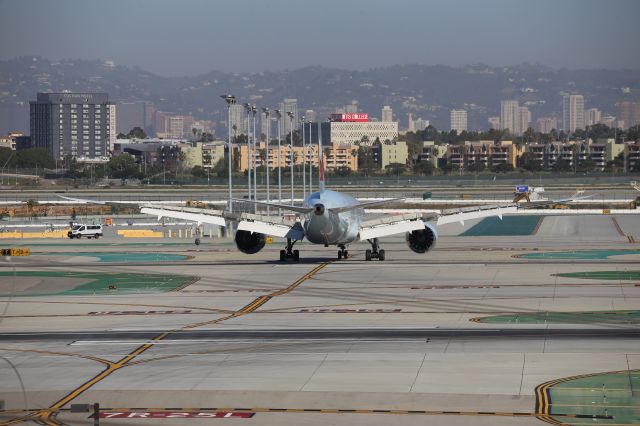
(253, 157)
(304, 161)
(290, 114)
(247, 107)
(278, 116)
(310, 161)
(266, 156)
(230, 99)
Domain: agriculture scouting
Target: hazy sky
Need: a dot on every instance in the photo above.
(186, 37)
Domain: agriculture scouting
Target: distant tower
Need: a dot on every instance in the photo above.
(509, 116)
(387, 113)
(458, 120)
(572, 112)
(411, 126)
(289, 105)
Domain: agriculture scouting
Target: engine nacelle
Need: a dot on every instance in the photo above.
(250, 242)
(422, 240)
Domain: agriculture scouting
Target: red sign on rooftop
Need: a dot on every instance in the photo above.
(352, 118)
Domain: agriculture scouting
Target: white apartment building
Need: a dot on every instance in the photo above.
(572, 112)
(458, 120)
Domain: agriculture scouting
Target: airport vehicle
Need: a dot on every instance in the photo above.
(332, 218)
(88, 231)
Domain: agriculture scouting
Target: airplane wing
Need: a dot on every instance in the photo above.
(296, 209)
(467, 213)
(271, 225)
(362, 205)
(390, 225)
(210, 216)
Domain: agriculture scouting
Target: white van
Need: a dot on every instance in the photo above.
(89, 231)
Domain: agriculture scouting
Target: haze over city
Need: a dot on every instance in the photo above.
(196, 36)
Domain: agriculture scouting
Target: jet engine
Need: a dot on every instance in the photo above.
(422, 240)
(250, 242)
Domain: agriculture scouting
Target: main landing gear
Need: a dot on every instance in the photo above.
(375, 252)
(342, 253)
(289, 253)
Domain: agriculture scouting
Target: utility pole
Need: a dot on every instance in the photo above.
(230, 99)
(247, 107)
(253, 158)
(290, 114)
(268, 118)
(278, 116)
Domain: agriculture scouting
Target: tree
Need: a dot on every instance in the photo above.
(423, 168)
(198, 171)
(530, 162)
(221, 168)
(35, 157)
(588, 166)
(123, 166)
(502, 168)
(561, 165)
(396, 168)
(136, 133)
(478, 166)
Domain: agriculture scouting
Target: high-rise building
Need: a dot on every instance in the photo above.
(238, 119)
(352, 108)
(546, 124)
(75, 124)
(572, 112)
(289, 105)
(592, 116)
(387, 113)
(509, 115)
(522, 124)
(421, 124)
(310, 116)
(411, 125)
(494, 123)
(458, 120)
(629, 113)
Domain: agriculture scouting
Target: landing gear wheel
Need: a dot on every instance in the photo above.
(289, 252)
(367, 255)
(381, 255)
(197, 241)
(346, 254)
(296, 255)
(283, 255)
(339, 254)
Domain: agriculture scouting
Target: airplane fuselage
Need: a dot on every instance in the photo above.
(323, 226)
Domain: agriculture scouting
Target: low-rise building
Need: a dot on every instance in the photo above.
(631, 155)
(433, 153)
(391, 153)
(212, 153)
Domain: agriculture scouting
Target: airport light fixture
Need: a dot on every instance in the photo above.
(230, 99)
(290, 114)
(267, 115)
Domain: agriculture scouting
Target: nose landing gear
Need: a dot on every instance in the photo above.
(343, 253)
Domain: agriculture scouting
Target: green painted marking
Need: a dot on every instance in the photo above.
(107, 257)
(509, 225)
(578, 254)
(98, 284)
(609, 394)
(604, 275)
(609, 317)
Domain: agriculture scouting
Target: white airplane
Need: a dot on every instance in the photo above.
(332, 218)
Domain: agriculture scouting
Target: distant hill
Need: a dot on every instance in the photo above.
(426, 91)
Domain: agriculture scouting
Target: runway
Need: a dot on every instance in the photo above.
(322, 341)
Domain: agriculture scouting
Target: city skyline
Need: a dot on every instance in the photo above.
(224, 36)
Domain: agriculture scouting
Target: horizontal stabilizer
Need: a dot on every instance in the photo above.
(296, 209)
(362, 205)
(270, 225)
